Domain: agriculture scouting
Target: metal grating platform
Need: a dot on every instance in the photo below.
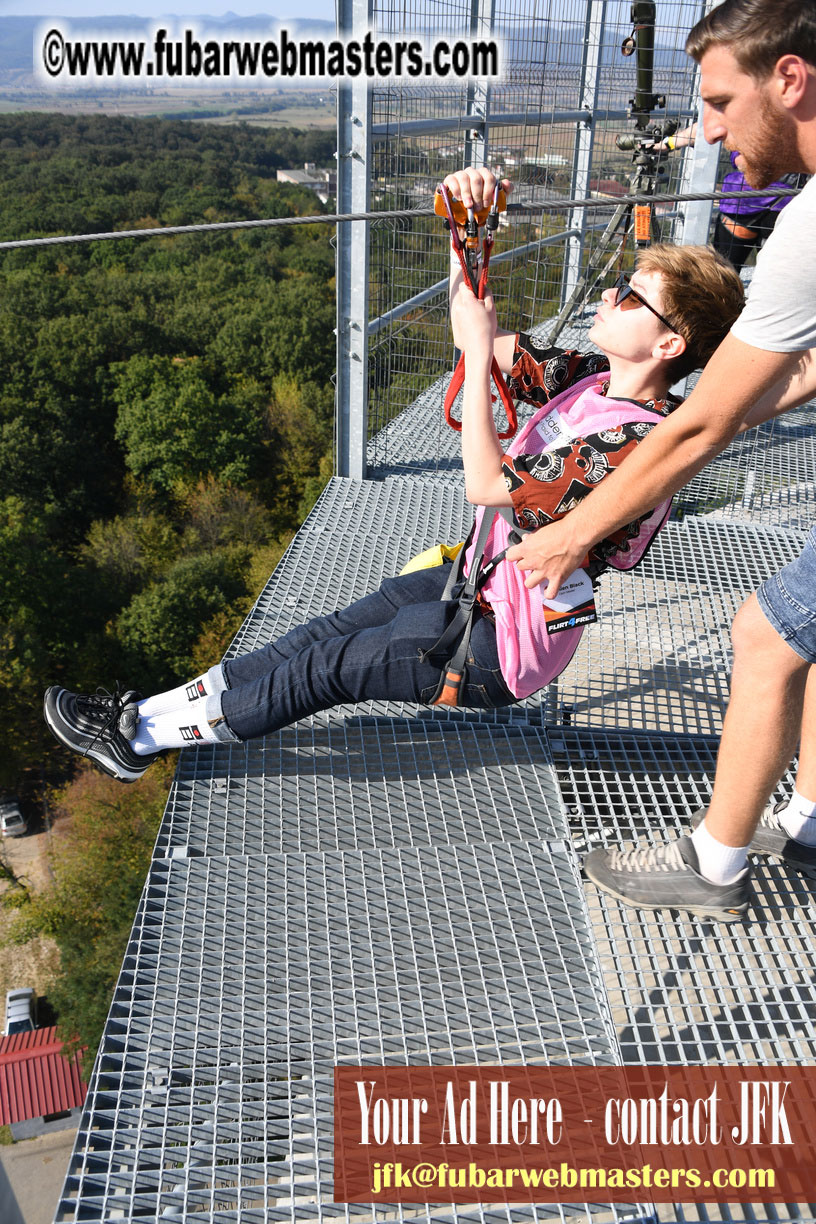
(659, 656)
(364, 783)
(248, 978)
(388, 883)
(419, 442)
(358, 533)
(681, 989)
(767, 475)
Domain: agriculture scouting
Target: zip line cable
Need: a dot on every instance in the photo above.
(390, 215)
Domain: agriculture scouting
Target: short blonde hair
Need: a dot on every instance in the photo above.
(702, 296)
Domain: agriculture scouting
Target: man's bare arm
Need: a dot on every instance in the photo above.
(666, 460)
(794, 389)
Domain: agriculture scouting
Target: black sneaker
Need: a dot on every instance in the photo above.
(772, 839)
(99, 726)
(667, 877)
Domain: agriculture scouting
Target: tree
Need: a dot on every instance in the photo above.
(143, 420)
(160, 625)
(297, 334)
(299, 418)
(39, 617)
(175, 428)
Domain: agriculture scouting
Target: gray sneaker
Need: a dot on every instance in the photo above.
(100, 726)
(772, 839)
(667, 877)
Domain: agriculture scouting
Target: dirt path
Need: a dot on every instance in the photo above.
(34, 963)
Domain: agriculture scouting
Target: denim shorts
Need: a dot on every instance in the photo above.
(788, 599)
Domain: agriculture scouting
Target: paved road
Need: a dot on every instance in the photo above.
(31, 1176)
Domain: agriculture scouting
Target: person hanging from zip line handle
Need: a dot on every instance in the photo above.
(400, 643)
(757, 63)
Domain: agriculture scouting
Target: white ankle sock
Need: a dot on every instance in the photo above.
(174, 729)
(212, 681)
(799, 819)
(719, 863)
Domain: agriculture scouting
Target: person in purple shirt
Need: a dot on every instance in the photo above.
(745, 224)
(741, 225)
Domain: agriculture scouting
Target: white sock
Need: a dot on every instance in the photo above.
(211, 681)
(175, 729)
(718, 863)
(799, 819)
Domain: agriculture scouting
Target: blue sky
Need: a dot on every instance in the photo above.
(323, 9)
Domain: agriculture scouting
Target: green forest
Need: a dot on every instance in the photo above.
(165, 422)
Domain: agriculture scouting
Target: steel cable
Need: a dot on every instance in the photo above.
(553, 205)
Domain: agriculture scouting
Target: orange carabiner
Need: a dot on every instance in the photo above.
(454, 210)
(457, 215)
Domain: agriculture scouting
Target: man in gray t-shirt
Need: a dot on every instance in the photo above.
(758, 84)
(780, 314)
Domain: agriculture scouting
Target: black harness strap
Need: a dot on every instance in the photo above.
(457, 635)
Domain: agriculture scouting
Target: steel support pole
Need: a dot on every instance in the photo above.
(584, 140)
(353, 196)
(699, 174)
(477, 104)
(471, 120)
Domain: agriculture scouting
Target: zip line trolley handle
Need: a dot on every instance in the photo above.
(471, 221)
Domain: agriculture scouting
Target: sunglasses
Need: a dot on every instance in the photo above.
(624, 291)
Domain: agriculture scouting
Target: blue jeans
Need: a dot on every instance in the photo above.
(368, 651)
(788, 599)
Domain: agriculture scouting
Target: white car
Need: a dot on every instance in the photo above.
(12, 821)
(21, 1011)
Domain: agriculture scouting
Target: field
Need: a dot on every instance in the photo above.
(270, 108)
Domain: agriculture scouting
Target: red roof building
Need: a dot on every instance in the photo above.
(606, 187)
(36, 1079)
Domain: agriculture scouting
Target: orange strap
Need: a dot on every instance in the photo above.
(455, 386)
(449, 689)
(456, 214)
(739, 231)
(643, 222)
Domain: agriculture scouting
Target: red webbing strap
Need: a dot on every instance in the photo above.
(455, 386)
(457, 381)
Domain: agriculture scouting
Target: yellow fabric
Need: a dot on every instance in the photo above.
(432, 557)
